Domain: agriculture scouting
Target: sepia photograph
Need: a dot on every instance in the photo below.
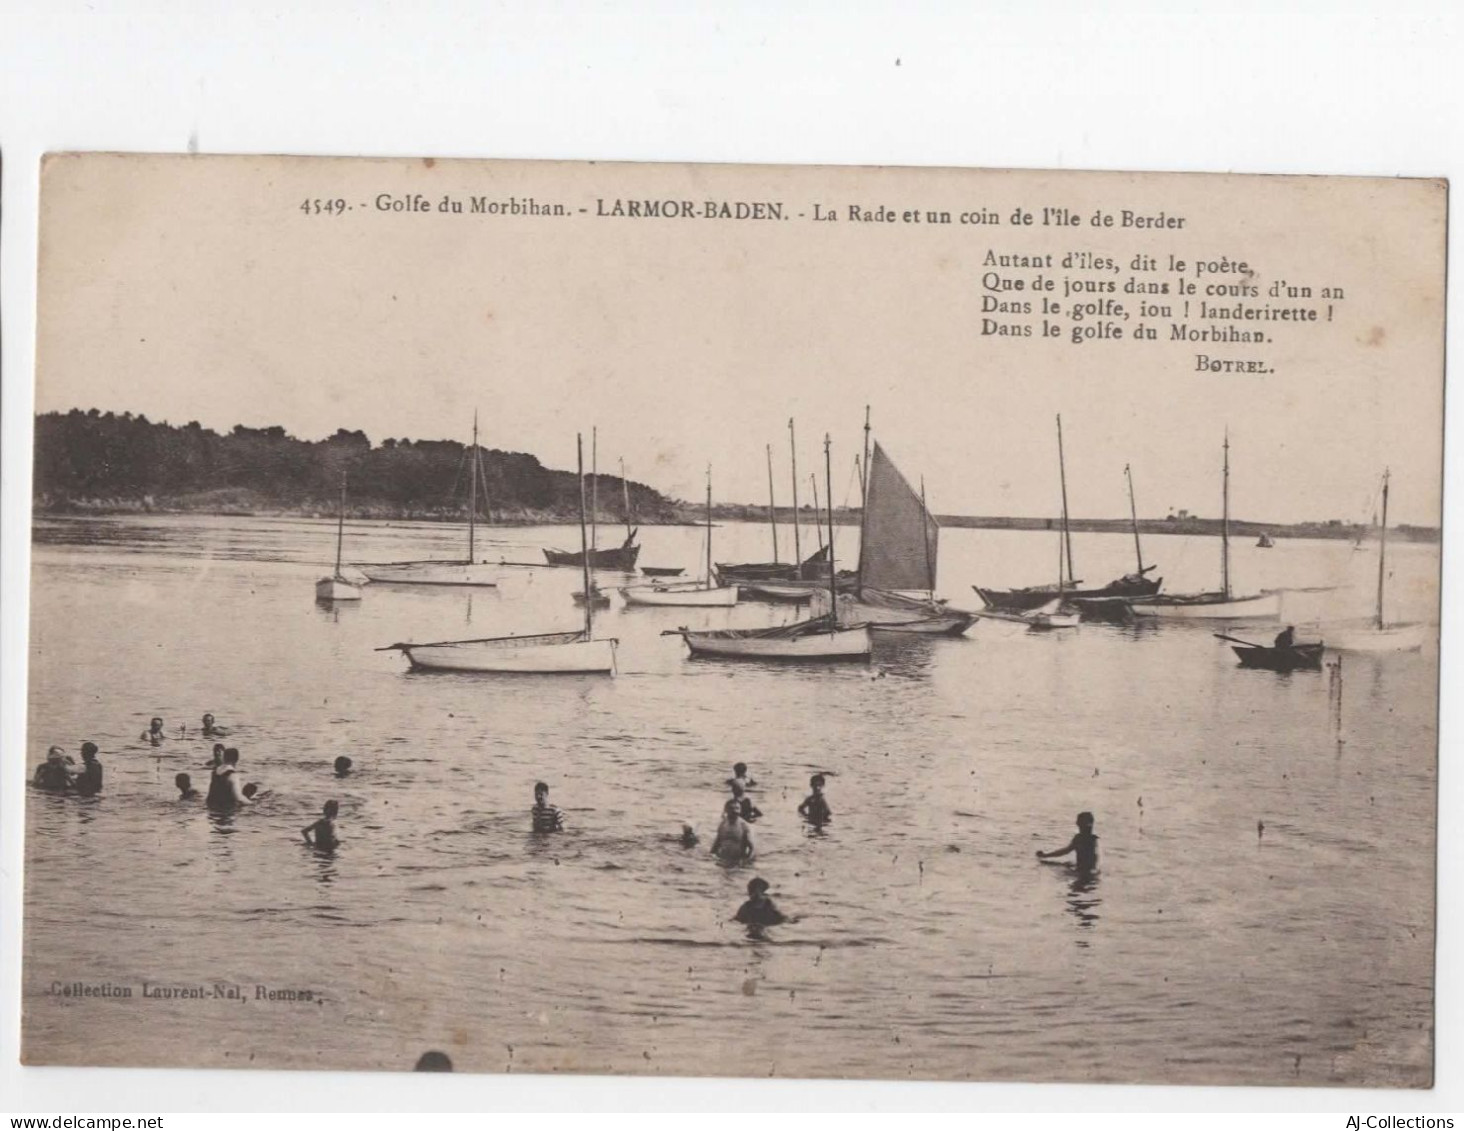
(718, 620)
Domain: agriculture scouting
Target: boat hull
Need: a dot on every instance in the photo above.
(718, 597)
(336, 589)
(1210, 606)
(663, 571)
(904, 615)
(479, 574)
(840, 644)
(1021, 600)
(1399, 638)
(1297, 658)
(621, 559)
(776, 592)
(527, 655)
(1045, 622)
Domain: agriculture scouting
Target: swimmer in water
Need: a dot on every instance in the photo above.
(689, 839)
(733, 843)
(52, 774)
(342, 766)
(186, 792)
(154, 733)
(224, 791)
(218, 757)
(252, 792)
(322, 833)
(1084, 846)
(88, 783)
(815, 807)
(547, 819)
(740, 776)
(212, 729)
(749, 811)
(759, 910)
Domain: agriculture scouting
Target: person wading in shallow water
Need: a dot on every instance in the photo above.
(546, 818)
(154, 733)
(1084, 846)
(88, 783)
(733, 842)
(186, 792)
(815, 807)
(224, 790)
(759, 910)
(52, 774)
(322, 833)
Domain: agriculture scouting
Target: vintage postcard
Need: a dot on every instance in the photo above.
(734, 620)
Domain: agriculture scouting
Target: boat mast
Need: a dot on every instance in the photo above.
(793, 449)
(709, 526)
(925, 537)
(340, 536)
(594, 489)
(829, 490)
(1134, 514)
(1383, 547)
(772, 507)
(473, 487)
(579, 444)
(1225, 522)
(1067, 537)
(817, 512)
(625, 486)
(864, 470)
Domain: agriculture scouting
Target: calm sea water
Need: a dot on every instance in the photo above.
(927, 941)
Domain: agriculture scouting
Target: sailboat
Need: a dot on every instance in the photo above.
(591, 594)
(819, 638)
(1380, 636)
(1221, 604)
(620, 558)
(575, 652)
(337, 587)
(1057, 613)
(1136, 584)
(899, 543)
(466, 571)
(704, 594)
(1265, 542)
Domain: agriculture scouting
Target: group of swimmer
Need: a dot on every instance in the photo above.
(733, 843)
(57, 774)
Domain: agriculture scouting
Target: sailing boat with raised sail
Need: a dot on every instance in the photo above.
(899, 544)
(575, 652)
(819, 638)
(698, 594)
(467, 571)
(1380, 636)
(337, 587)
(1221, 604)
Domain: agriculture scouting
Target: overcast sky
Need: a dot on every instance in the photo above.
(201, 292)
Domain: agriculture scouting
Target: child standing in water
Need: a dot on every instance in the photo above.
(546, 817)
(1084, 845)
(186, 792)
(815, 808)
(323, 831)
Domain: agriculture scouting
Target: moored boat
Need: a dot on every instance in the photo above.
(1221, 604)
(574, 652)
(694, 594)
(1380, 636)
(337, 587)
(465, 571)
(818, 639)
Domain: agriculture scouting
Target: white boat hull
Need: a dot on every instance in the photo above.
(1263, 606)
(1400, 638)
(516, 656)
(843, 644)
(336, 589)
(433, 573)
(718, 597)
(1045, 621)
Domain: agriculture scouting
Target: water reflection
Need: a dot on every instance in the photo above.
(1083, 902)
